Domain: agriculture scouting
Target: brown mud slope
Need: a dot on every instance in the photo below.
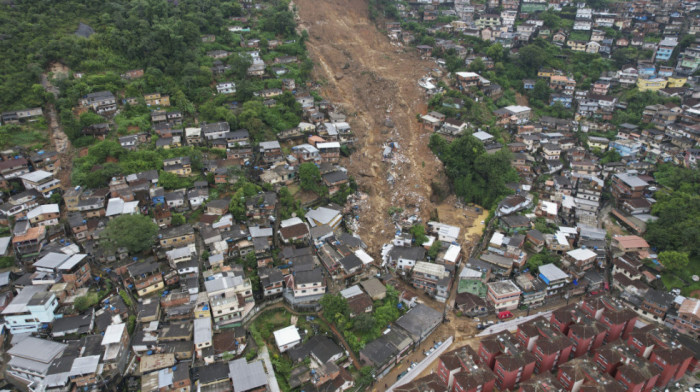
(360, 70)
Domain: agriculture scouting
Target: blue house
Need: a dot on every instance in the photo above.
(565, 100)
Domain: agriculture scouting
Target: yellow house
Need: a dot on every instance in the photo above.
(156, 99)
(149, 285)
(545, 73)
(576, 46)
(676, 81)
(177, 236)
(654, 84)
(598, 142)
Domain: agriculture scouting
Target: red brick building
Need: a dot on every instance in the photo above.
(461, 371)
(587, 334)
(622, 362)
(674, 361)
(550, 347)
(581, 374)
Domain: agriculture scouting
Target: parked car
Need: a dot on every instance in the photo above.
(506, 314)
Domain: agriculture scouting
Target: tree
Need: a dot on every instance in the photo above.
(537, 260)
(133, 232)
(674, 260)
(434, 250)
(531, 58)
(177, 219)
(364, 322)
(541, 91)
(418, 233)
(495, 52)
(334, 305)
(310, 177)
(366, 377)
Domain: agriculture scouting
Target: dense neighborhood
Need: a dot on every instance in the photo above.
(193, 221)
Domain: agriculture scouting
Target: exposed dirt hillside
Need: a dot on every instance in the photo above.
(371, 79)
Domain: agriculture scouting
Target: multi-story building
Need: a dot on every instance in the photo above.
(432, 278)
(59, 267)
(147, 277)
(504, 295)
(100, 102)
(156, 99)
(627, 186)
(230, 297)
(460, 371)
(32, 307)
(665, 48)
(563, 84)
(176, 236)
(685, 319)
(42, 181)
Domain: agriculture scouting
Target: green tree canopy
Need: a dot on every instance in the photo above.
(310, 177)
(477, 177)
(674, 260)
(136, 233)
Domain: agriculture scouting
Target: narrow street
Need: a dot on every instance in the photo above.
(59, 140)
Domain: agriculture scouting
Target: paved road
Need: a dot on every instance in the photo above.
(422, 365)
(271, 379)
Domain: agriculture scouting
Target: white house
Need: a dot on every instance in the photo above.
(287, 338)
(226, 88)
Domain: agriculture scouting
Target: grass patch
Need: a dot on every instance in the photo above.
(14, 135)
(579, 36)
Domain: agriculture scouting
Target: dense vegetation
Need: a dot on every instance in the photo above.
(476, 176)
(676, 232)
(362, 328)
(136, 233)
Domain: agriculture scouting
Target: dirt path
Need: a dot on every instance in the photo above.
(371, 79)
(59, 140)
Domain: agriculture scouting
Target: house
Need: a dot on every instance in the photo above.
(42, 181)
(21, 116)
(306, 284)
(248, 376)
(324, 216)
(335, 180)
(31, 360)
(432, 278)
(226, 88)
(554, 278)
(471, 305)
(156, 99)
(33, 306)
(503, 295)
(271, 280)
(44, 215)
(215, 131)
(230, 297)
(293, 230)
(578, 261)
(100, 102)
(57, 267)
(405, 258)
(180, 166)
(512, 204)
(286, 338)
(176, 236)
(13, 168)
(685, 319)
(514, 114)
(375, 289)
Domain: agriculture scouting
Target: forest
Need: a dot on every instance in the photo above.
(99, 42)
(476, 176)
